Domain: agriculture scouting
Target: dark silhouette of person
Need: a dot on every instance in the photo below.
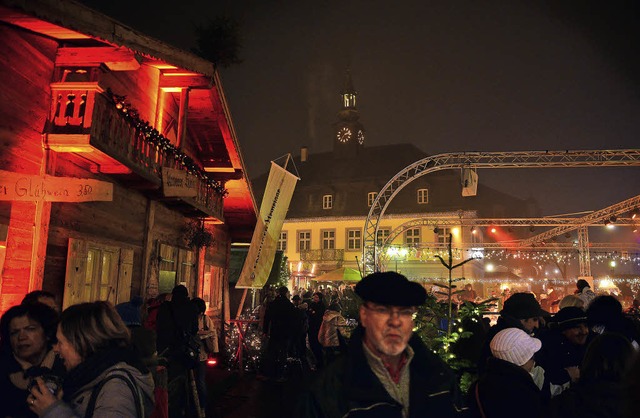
(279, 319)
(600, 392)
(316, 313)
(177, 319)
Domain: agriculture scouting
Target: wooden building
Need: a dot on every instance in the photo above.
(120, 172)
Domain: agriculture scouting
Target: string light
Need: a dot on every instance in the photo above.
(162, 144)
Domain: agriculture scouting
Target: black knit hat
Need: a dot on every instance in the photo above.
(390, 288)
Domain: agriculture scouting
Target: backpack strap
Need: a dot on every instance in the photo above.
(478, 401)
(128, 379)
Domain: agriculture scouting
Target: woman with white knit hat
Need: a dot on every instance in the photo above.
(507, 387)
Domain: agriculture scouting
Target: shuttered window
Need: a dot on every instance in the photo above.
(97, 271)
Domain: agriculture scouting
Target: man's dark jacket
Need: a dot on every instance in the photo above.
(279, 319)
(176, 319)
(558, 353)
(348, 388)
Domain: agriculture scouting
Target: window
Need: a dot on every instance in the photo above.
(423, 196)
(371, 196)
(354, 239)
(328, 239)
(304, 240)
(177, 266)
(327, 201)
(382, 235)
(282, 241)
(97, 271)
(443, 235)
(412, 236)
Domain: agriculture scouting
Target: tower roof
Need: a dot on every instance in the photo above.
(348, 84)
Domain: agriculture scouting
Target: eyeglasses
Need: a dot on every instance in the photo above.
(388, 311)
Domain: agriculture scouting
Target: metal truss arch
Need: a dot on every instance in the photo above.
(475, 160)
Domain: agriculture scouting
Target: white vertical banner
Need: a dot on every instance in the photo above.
(274, 207)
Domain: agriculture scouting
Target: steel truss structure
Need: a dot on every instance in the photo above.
(509, 222)
(476, 160)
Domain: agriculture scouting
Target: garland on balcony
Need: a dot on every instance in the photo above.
(151, 135)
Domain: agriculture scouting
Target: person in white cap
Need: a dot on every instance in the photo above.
(507, 387)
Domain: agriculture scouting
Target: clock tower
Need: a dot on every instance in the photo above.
(349, 133)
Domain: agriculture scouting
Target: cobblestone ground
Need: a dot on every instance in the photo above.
(235, 395)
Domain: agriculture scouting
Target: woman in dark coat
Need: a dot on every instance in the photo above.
(506, 388)
(28, 335)
(599, 392)
(105, 377)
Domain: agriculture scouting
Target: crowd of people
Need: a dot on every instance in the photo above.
(304, 327)
(581, 361)
(99, 360)
(96, 359)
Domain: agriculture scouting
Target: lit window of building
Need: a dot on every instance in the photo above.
(371, 196)
(354, 239)
(304, 240)
(412, 236)
(382, 235)
(282, 241)
(327, 201)
(328, 239)
(443, 235)
(423, 196)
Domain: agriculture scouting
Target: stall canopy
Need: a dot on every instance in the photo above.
(343, 274)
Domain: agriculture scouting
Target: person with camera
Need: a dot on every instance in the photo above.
(105, 378)
(28, 334)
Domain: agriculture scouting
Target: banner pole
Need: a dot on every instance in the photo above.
(244, 296)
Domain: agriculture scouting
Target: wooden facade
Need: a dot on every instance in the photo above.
(93, 115)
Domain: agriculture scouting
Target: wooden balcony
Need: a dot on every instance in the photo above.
(83, 121)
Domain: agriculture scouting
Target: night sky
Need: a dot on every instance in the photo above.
(447, 76)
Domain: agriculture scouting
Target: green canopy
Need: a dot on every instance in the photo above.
(343, 274)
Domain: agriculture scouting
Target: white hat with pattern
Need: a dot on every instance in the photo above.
(514, 345)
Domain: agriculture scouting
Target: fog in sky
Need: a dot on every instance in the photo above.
(447, 76)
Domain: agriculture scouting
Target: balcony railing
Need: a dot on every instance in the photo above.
(322, 255)
(84, 121)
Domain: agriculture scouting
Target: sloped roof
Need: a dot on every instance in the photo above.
(349, 180)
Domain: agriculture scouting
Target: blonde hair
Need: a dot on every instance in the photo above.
(94, 326)
(571, 300)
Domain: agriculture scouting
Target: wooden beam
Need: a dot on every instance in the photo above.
(176, 81)
(116, 59)
(149, 273)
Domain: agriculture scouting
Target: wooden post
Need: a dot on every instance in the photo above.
(41, 227)
(202, 253)
(182, 117)
(149, 284)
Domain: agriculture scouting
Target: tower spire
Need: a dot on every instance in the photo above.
(348, 129)
(348, 92)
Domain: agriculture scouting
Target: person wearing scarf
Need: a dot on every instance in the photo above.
(94, 344)
(28, 334)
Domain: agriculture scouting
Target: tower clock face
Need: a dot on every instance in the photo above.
(344, 134)
(360, 137)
